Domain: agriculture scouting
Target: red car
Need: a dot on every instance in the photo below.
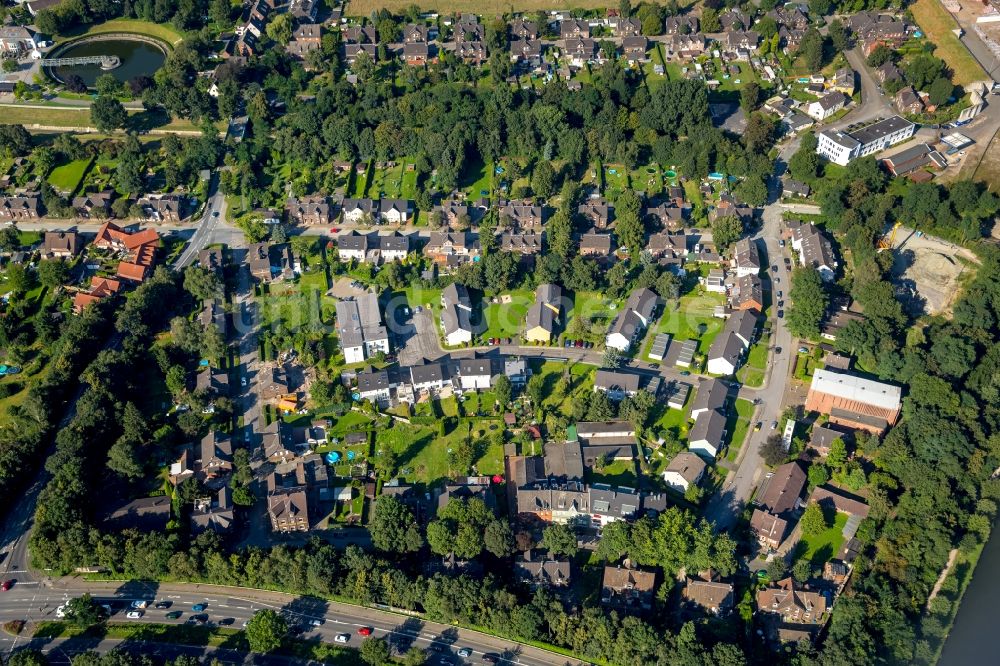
(6, 585)
(365, 631)
(335, 230)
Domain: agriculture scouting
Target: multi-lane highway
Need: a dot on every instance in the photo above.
(232, 607)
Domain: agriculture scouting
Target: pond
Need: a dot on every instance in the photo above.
(139, 57)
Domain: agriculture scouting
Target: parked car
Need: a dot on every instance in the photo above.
(341, 638)
(243, 381)
(774, 268)
(781, 243)
(781, 313)
(777, 350)
(134, 614)
(779, 293)
(774, 424)
(803, 350)
(317, 622)
(758, 426)
(781, 304)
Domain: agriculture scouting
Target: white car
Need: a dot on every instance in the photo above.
(243, 381)
(140, 604)
(465, 652)
(134, 614)
(341, 638)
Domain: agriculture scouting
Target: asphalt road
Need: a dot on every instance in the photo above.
(215, 213)
(313, 618)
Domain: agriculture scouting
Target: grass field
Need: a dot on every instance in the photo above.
(752, 372)
(157, 30)
(366, 7)
(66, 178)
(938, 24)
(506, 320)
(825, 545)
(737, 426)
(72, 117)
(693, 319)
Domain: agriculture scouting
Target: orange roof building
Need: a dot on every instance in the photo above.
(99, 288)
(142, 246)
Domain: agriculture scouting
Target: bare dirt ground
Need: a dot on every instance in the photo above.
(928, 271)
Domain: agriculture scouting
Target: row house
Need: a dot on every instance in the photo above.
(681, 25)
(581, 51)
(21, 207)
(524, 30)
(448, 249)
(294, 494)
(596, 212)
(625, 26)
(384, 211)
(634, 48)
(94, 204)
(574, 29)
(685, 47)
(361, 329)
(597, 245)
(372, 248)
(309, 211)
(635, 316)
(473, 53)
(520, 215)
(528, 244)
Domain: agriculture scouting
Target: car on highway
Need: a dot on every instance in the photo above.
(198, 619)
(227, 621)
(140, 604)
(6, 585)
(341, 638)
(490, 659)
(774, 424)
(134, 614)
(173, 615)
(197, 608)
(365, 631)
(317, 622)
(464, 652)
(163, 604)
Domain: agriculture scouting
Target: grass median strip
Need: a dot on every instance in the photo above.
(938, 24)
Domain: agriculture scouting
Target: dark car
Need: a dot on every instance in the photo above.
(777, 350)
(197, 608)
(225, 622)
(201, 618)
(490, 659)
(163, 604)
(173, 615)
(781, 313)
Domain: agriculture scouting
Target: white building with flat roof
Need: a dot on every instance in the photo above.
(843, 147)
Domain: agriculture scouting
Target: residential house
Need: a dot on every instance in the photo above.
(93, 205)
(913, 159)
(746, 293)
(608, 504)
(212, 382)
(814, 248)
(393, 246)
(737, 40)
(375, 386)
(574, 29)
(843, 81)
(459, 215)
(309, 211)
(162, 208)
(708, 594)
(594, 244)
(19, 207)
(685, 47)
(448, 249)
(276, 442)
(213, 260)
(684, 471)
(146, 514)
(215, 458)
(580, 51)
(670, 250)
(543, 316)
(794, 188)
(727, 351)
(473, 53)
(359, 210)
(685, 24)
(596, 212)
(908, 101)
(214, 513)
(273, 383)
(707, 436)
(306, 38)
(356, 246)
(628, 589)
(632, 320)
(416, 54)
(294, 490)
(61, 244)
(527, 52)
(712, 395)
(634, 48)
(735, 19)
(394, 211)
(798, 611)
(527, 243)
(524, 29)
(872, 30)
(542, 572)
(456, 315)
(521, 216)
(888, 71)
(768, 529)
(790, 16)
(853, 401)
(746, 258)
(835, 571)
(827, 105)
(100, 288)
(140, 248)
(783, 489)
(16, 40)
(272, 263)
(360, 328)
(823, 436)
(616, 384)
(625, 26)
(516, 370)
(475, 374)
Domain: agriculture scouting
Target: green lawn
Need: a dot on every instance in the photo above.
(616, 180)
(596, 310)
(694, 318)
(158, 30)
(67, 177)
(506, 320)
(422, 455)
(649, 178)
(752, 372)
(737, 425)
(825, 545)
(620, 473)
(477, 178)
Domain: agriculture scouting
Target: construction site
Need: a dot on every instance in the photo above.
(927, 271)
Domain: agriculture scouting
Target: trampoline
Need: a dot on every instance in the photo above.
(350, 455)
(333, 457)
(670, 173)
(355, 396)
